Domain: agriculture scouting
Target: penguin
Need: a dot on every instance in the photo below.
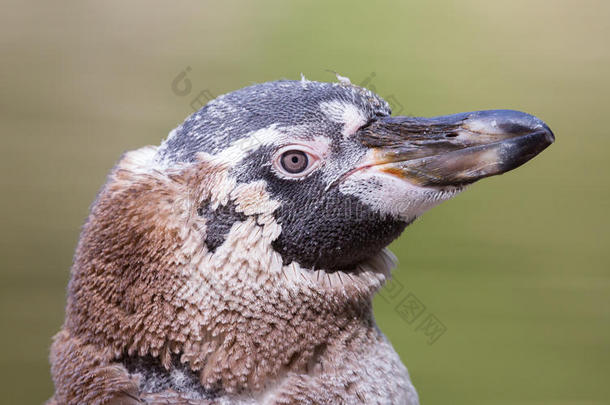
(236, 262)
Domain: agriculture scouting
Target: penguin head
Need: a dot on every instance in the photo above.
(346, 176)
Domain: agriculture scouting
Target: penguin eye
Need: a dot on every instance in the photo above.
(294, 161)
(291, 162)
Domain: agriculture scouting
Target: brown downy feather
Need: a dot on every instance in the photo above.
(143, 283)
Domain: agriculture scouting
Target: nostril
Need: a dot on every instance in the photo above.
(451, 135)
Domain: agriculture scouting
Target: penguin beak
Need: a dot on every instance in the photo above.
(454, 150)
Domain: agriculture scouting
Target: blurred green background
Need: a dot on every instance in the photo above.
(517, 269)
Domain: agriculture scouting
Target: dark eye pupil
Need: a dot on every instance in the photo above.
(294, 161)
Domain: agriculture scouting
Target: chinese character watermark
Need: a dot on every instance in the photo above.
(182, 87)
(412, 310)
(395, 105)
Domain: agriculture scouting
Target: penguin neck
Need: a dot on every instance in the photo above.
(145, 286)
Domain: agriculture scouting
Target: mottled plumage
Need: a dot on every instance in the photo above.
(236, 262)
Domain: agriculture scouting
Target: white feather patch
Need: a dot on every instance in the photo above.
(390, 195)
(243, 146)
(344, 113)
